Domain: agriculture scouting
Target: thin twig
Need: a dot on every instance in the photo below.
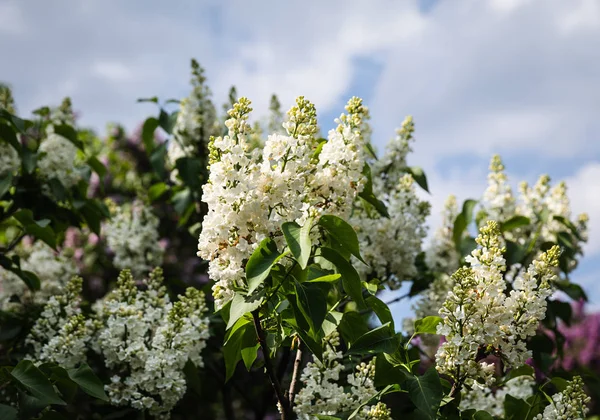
(294, 381)
(281, 398)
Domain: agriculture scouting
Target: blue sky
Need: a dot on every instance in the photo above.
(515, 77)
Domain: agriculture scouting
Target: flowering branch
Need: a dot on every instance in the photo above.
(286, 413)
(297, 362)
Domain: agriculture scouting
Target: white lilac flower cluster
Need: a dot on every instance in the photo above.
(541, 203)
(9, 160)
(132, 235)
(498, 199)
(293, 178)
(480, 318)
(195, 122)
(390, 245)
(53, 269)
(323, 395)
(569, 404)
(146, 341)
(442, 256)
(57, 160)
(481, 397)
(61, 333)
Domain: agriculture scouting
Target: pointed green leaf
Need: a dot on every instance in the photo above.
(378, 340)
(368, 195)
(514, 223)
(381, 310)
(298, 240)
(419, 176)
(36, 383)
(343, 232)
(426, 392)
(312, 303)
(241, 305)
(85, 377)
(427, 325)
(350, 278)
(260, 263)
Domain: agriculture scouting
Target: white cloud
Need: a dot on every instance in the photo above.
(112, 71)
(11, 18)
(584, 191)
(518, 76)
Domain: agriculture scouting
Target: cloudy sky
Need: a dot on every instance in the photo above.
(515, 77)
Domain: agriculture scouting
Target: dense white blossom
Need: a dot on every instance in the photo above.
(61, 333)
(479, 317)
(146, 341)
(442, 256)
(498, 200)
(250, 193)
(195, 122)
(9, 159)
(57, 160)
(390, 245)
(53, 269)
(569, 404)
(481, 397)
(323, 392)
(132, 235)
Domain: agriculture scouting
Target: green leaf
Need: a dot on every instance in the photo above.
(350, 278)
(69, 133)
(381, 310)
(240, 306)
(343, 232)
(28, 160)
(426, 392)
(388, 374)
(419, 176)
(232, 349)
(328, 278)
(514, 223)
(5, 184)
(460, 224)
(97, 166)
(298, 240)
(148, 129)
(249, 347)
(167, 121)
(331, 322)
(467, 210)
(260, 263)
(353, 326)
(30, 279)
(190, 171)
(7, 133)
(427, 325)
(312, 303)
(85, 377)
(368, 195)
(38, 229)
(378, 340)
(32, 379)
(524, 370)
(157, 190)
(157, 160)
(182, 200)
(7, 412)
(515, 408)
(152, 99)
